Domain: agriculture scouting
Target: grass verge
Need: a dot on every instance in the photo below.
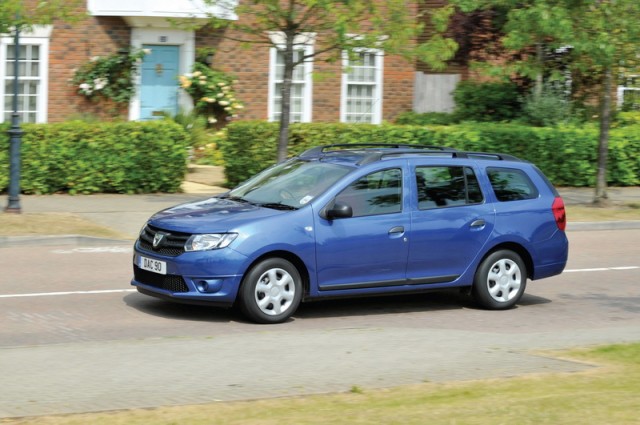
(53, 224)
(583, 213)
(607, 394)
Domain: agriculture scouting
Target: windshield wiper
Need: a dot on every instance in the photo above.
(236, 199)
(277, 206)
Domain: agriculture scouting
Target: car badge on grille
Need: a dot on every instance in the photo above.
(158, 239)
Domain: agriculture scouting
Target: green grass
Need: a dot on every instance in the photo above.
(607, 394)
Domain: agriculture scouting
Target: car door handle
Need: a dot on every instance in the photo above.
(478, 223)
(396, 230)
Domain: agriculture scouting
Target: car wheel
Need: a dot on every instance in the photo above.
(500, 280)
(271, 291)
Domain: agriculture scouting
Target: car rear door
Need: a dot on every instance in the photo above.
(450, 222)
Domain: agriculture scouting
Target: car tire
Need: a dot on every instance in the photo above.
(271, 291)
(500, 281)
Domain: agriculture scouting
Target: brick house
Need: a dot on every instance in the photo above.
(384, 86)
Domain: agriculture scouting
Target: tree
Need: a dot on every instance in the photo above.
(602, 38)
(340, 27)
(25, 14)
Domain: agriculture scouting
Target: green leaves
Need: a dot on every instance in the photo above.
(77, 157)
(109, 77)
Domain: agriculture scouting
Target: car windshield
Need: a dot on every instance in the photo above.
(289, 185)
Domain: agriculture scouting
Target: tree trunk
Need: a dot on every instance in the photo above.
(285, 117)
(601, 197)
(537, 91)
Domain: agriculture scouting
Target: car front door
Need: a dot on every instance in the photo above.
(369, 249)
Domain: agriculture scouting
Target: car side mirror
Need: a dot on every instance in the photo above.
(339, 210)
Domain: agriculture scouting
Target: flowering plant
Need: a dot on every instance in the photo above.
(110, 77)
(212, 93)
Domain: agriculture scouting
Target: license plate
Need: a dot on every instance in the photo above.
(152, 265)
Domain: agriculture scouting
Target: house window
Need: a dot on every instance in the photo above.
(32, 58)
(362, 88)
(629, 94)
(301, 87)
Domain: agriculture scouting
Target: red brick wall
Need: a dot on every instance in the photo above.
(73, 45)
(251, 68)
(70, 47)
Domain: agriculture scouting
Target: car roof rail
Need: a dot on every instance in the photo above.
(489, 156)
(372, 152)
(341, 147)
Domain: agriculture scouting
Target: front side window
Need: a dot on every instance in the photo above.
(511, 184)
(300, 89)
(376, 193)
(445, 186)
(362, 88)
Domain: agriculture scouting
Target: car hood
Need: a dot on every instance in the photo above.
(210, 216)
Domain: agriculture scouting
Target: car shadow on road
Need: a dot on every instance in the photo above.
(179, 311)
(388, 304)
(443, 300)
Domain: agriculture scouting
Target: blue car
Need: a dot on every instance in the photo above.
(359, 220)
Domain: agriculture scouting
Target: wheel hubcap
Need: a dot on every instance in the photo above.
(504, 280)
(275, 291)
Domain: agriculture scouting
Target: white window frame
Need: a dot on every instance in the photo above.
(376, 111)
(302, 42)
(39, 36)
(622, 89)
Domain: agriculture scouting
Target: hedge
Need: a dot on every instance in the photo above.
(78, 157)
(566, 155)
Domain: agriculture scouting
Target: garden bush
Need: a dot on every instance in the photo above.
(77, 157)
(487, 102)
(567, 155)
(426, 118)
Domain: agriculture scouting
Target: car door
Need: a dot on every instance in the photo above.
(369, 249)
(450, 223)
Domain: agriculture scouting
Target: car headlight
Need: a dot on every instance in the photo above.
(209, 241)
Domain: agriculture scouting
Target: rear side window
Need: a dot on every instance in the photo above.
(447, 187)
(511, 184)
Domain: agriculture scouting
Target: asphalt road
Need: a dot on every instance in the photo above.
(74, 336)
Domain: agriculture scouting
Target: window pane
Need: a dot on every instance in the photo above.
(297, 88)
(511, 184)
(473, 187)
(377, 193)
(440, 187)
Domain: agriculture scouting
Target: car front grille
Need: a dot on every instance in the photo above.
(171, 245)
(168, 282)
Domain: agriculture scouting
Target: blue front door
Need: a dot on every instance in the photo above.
(159, 85)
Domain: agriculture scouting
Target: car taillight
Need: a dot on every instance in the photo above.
(559, 213)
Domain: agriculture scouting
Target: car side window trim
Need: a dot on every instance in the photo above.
(444, 186)
(377, 193)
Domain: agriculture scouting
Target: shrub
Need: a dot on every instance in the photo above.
(624, 119)
(427, 118)
(212, 94)
(77, 157)
(567, 155)
(494, 102)
(547, 110)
